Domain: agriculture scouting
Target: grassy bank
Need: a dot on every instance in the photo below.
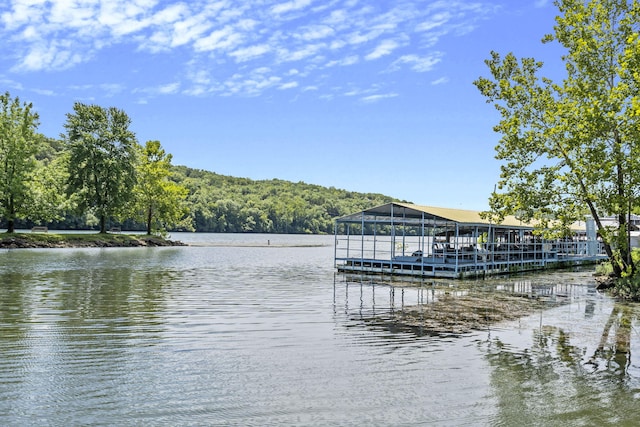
(84, 240)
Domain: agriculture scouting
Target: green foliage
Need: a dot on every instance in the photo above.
(226, 204)
(19, 144)
(627, 288)
(47, 183)
(98, 172)
(572, 148)
(102, 158)
(159, 202)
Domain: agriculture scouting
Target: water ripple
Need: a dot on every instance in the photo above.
(256, 335)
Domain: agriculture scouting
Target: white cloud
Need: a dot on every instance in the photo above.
(11, 84)
(224, 38)
(251, 52)
(434, 21)
(440, 81)
(217, 46)
(111, 88)
(375, 98)
(386, 47)
(349, 60)
(360, 38)
(289, 85)
(189, 30)
(168, 89)
(417, 63)
(337, 17)
(315, 32)
(57, 55)
(290, 6)
(44, 92)
(170, 14)
(299, 54)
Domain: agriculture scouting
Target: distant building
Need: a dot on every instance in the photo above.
(634, 227)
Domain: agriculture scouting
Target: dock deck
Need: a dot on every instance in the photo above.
(463, 269)
(403, 239)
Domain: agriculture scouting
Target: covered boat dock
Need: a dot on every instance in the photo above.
(407, 239)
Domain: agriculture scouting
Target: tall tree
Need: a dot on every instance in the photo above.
(19, 143)
(102, 159)
(159, 202)
(573, 148)
(47, 183)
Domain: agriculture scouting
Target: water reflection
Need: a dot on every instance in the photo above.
(270, 335)
(59, 326)
(565, 375)
(568, 357)
(445, 307)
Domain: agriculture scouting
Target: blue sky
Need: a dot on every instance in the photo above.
(361, 95)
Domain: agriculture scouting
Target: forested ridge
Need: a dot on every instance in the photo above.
(98, 176)
(226, 204)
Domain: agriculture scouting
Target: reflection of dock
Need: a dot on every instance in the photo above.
(434, 307)
(404, 239)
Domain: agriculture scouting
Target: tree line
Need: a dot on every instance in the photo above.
(97, 176)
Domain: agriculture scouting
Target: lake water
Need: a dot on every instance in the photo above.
(254, 330)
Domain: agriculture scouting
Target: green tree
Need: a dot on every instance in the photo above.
(19, 143)
(48, 201)
(159, 202)
(572, 148)
(102, 159)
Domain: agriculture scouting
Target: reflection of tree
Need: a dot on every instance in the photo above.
(75, 325)
(554, 382)
(114, 297)
(14, 308)
(614, 352)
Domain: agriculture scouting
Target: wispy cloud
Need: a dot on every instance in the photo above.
(290, 6)
(386, 47)
(289, 85)
(217, 45)
(375, 98)
(250, 52)
(440, 81)
(420, 64)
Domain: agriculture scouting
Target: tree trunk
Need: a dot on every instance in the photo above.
(149, 218)
(11, 223)
(103, 224)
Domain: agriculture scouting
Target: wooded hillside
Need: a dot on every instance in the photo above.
(226, 204)
(221, 203)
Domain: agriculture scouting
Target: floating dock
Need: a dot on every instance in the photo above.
(407, 239)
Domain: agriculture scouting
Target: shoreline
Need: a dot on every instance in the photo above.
(85, 240)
